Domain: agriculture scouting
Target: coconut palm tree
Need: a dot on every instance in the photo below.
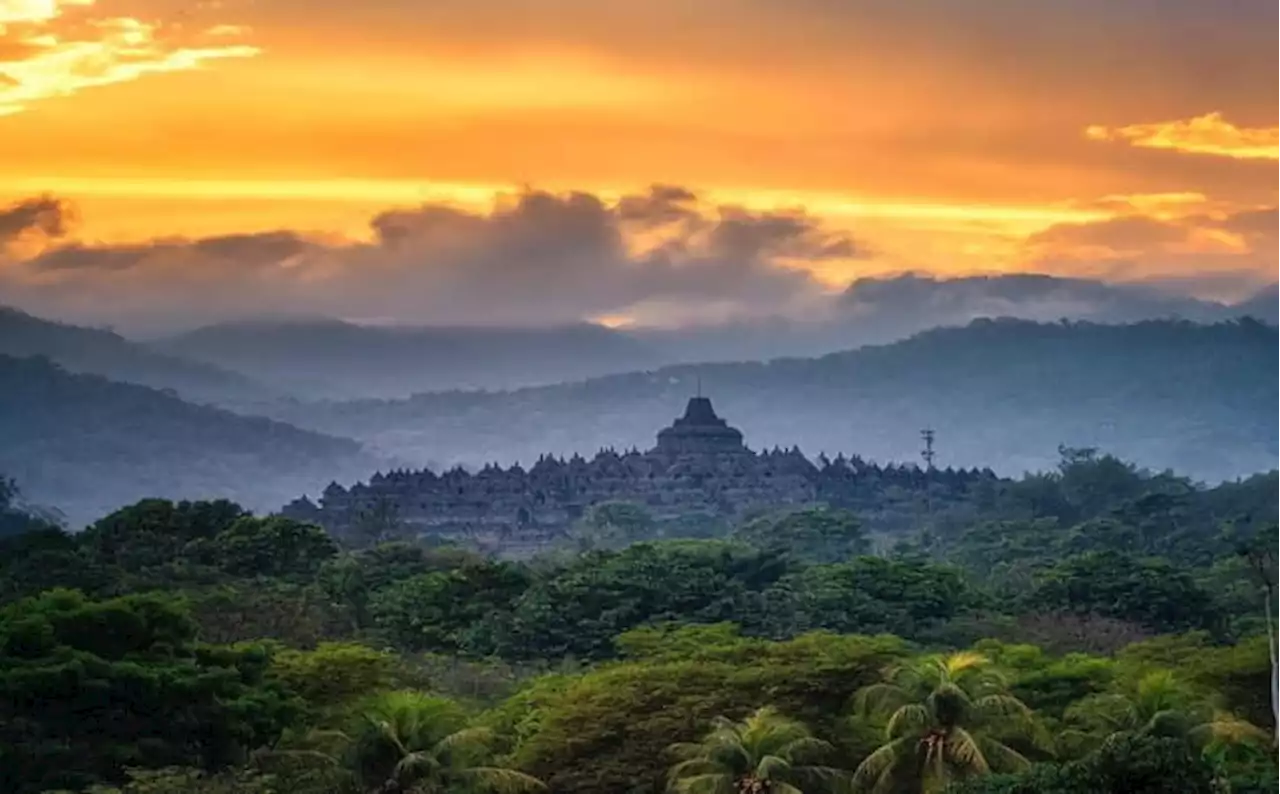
(1157, 704)
(408, 742)
(945, 718)
(764, 754)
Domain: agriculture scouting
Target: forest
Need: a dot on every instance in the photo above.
(1095, 628)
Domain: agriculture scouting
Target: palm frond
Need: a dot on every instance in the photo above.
(1001, 757)
(883, 760)
(962, 661)
(772, 767)
(908, 720)
(503, 781)
(1227, 728)
(782, 787)
(881, 699)
(965, 752)
(475, 737)
(708, 783)
(803, 747)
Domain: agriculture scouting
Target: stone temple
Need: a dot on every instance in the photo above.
(699, 468)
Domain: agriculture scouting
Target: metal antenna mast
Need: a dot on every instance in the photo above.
(927, 453)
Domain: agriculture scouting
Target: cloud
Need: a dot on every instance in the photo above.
(534, 257)
(1209, 134)
(34, 11)
(44, 53)
(45, 216)
(913, 301)
(1231, 252)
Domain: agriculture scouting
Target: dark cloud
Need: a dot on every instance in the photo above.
(265, 247)
(662, 205)
(44, 215)
(924, 301)
(537, 257)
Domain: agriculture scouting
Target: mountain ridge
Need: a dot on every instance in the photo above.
(85, 445)
(102, 352)
(1000, 392)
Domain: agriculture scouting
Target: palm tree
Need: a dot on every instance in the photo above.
(1158, 704)
(409, 742)
(944, 717)
(764, 754)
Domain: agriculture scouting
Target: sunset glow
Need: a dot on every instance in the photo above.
(907, 129)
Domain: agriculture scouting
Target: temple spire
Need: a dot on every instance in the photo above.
(700, 430)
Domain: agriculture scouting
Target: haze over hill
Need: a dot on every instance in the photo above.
(343, 360)
(1003, 394)
(102, 352)
(86, 445)
(339, 359)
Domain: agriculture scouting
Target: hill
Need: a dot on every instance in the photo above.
(331, 358)
(101, 352)
(85, 445)
(1004, 394)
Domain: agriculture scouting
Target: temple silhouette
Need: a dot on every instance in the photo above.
(700, 467)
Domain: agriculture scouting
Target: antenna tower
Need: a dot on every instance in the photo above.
(928, 453)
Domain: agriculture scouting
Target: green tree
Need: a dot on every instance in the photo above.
(187, 780)
(89, 688)
(944, 718)
(866, 595)
(273, 546)
(613, 525)
(607, 729)
(1260, 554)
(378, 523)
(1157, 704)
(47, 557)
(581, 609)
(409, 742)
(765, 753)
(154, 532)
(353, 579)
(334, 676)
(1133, 765)
(437, 611)
(1152, 593)
(818, 534)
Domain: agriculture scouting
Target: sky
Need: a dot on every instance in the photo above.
(173, 163)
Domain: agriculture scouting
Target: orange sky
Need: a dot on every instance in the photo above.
(947, 136)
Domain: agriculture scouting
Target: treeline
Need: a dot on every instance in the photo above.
(1112, 642)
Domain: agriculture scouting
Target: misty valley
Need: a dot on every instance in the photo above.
(663, 397)
(1003, 557)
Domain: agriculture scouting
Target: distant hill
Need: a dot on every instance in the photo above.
(1264, 305)
(1198, 398)
(84, 445)
(101, 352)
(330, 358)
(326, 358)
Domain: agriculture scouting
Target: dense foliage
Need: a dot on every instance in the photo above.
(1095, 629)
